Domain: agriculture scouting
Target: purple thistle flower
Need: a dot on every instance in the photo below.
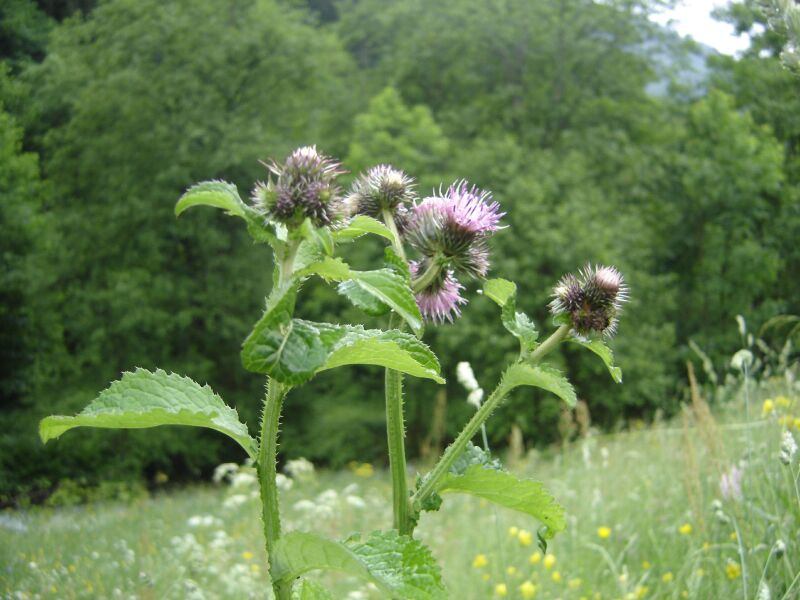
(381, 188)
(730, 484)
(453, 228)
(440, 301)
(304, 187)
(592, 301)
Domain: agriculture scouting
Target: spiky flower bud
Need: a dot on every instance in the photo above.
(440, 301)
(453, 228)
(304, 187)
(381, 188)
(592, 300)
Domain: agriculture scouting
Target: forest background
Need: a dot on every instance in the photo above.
(605, 137)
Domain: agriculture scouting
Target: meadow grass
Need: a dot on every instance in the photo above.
(646, 519)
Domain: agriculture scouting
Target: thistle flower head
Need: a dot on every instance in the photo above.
(453, 228)
(441, 300)
(381, 188)
(304, 186)
(592, 300)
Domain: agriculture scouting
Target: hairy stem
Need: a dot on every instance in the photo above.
(268, 445)
(427, 277)
(431, 482)
(395, 423)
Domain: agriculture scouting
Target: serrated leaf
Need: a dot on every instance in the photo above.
(474, 455)
(499, 290)
(150, 399)
(362, 299)
(294, 351)
(399, 566)
(397, 263)
(541, 376)
(520, 325)
(502, 488)
(385, 285)
(219, 194)
(362, 225)
(604, 352)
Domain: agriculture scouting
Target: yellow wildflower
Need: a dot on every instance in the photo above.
(646, 564)
(525, 538)
(706, 546)
(72, 568)
(685, 594)
(161, 478)
(623, 578)
(247, 555)
(685, 529)
(574, 584)
(556, 576)
(603, 532)
(549, 561)
(641, 591)
(783, 402)
(797, 423)
(768, 407)
(255, 568)
(733, 570)
(486, 577)
(700, 572)
(513, 531)
(786, 421)
(479, 561)
(500, 589)
(535, 558)
(364, 470)
(732, 536)
(511, 571)
(667, 577)
(527, 589)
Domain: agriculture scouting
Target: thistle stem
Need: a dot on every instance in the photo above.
(268, 445)
(431, 483)
(395, 424)
(428, 277)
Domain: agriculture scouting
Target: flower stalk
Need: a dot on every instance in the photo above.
(431, 482)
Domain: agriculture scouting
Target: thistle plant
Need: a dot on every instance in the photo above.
(433, 245)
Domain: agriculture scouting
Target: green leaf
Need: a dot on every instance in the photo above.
(397, 263)
(149, 399)
(219, 194)
(386, 286)
(474, 455)
(311, 590)
(502, 488)
(293, 351)
(362, 225)
(521, 326)
(541, 376)
(500, 290)
(604, 352)
(361, 298)
(399, 566)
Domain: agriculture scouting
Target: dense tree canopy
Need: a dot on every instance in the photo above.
(109, 112)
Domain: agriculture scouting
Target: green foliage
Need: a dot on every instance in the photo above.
(541, 376)
(504, 293)
(400, 566)
(144, 399)
(219, 194)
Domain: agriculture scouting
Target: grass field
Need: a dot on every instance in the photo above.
(647, 519)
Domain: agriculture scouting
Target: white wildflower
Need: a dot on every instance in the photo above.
(466, 377)
(300, 468)
(283, 482)
(355, 502)
(328, 497)
(742, 359)
(234, 501)
(763, 591)
(788, 448)
(779, 549)
(350, 489)
(243, 478)
(224, 471)
(304, 506)
(475, 398)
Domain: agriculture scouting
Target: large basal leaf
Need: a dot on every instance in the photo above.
(399, 566)
(149, 399)
(502, 488)
(521, 326)
(541, 376)
(362, 225)
(604, 352)
(294, 351)
(219, 194)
